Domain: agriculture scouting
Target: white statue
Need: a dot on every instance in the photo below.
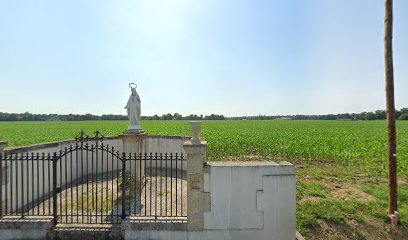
(133, 108)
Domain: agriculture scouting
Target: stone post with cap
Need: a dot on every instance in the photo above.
(198, 201)
(2, 146)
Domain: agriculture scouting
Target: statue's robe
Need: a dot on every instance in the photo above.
(133, 111)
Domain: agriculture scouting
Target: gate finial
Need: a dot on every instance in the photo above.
(83, 137)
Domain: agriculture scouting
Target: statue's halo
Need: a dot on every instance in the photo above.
(132, 84)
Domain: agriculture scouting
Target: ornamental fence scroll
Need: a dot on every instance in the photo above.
(92, 182)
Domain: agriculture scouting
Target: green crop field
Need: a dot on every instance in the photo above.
(322, 140)
(362, 143)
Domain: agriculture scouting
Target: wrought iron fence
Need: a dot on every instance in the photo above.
(26, 183)
(93, 183)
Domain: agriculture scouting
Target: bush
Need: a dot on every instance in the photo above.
(403, 116)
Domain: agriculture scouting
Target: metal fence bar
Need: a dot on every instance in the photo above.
(123, 185)
(102, 147)
(54, 187)
(145, 182)
(76, 182)
(1, 182)
(171, 184)
(96, 184)
(181, 183)
(82, 182)
(92, 182)
(49, 186)
(165, 157)
(155, 192)
(59, 213)
(176, 183)
(161, 184)
(16, 186)
(6, 188)
(112, 206)
(117, 183)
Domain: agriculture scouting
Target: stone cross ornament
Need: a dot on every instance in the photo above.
(133, 109)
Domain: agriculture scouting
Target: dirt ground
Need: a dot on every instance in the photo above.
(372, 230)
(100, 201)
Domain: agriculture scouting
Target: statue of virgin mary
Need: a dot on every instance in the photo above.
(133, 109)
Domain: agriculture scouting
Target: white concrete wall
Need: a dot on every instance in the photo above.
(166, 144)
(249, 200)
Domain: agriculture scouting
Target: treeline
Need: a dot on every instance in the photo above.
(177, 116)
(86, 117)
(401, 114)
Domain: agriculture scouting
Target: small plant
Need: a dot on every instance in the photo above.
(129, 180)
(162, 193)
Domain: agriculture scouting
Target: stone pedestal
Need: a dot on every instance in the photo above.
(197, 200)
(2, 146)
(3, 166)
(133, 143)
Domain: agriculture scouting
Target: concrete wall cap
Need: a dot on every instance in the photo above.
(27, 223)
(169, 224)
(188, 143)
(39, 146)
(169, 137)
(248, 164)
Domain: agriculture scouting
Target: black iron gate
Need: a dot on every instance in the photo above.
(92, 182)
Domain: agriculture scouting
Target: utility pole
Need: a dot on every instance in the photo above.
(390, 111)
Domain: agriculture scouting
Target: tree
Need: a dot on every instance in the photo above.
(167, 116)
(380, 115)
(370, 116)
(390, 110)
(177, 116)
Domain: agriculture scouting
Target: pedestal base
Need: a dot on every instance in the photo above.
(133, 144)
(134, 131)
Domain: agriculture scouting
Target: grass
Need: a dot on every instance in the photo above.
(310, 189)
(99, 204)
(341, 199)
(381, 195)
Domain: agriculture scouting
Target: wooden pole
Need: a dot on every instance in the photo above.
(389, 91)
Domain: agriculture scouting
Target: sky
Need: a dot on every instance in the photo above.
(231, 57)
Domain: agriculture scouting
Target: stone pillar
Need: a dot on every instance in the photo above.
(2, 146)
(134, 143)
(3, 179)
(197, 200)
